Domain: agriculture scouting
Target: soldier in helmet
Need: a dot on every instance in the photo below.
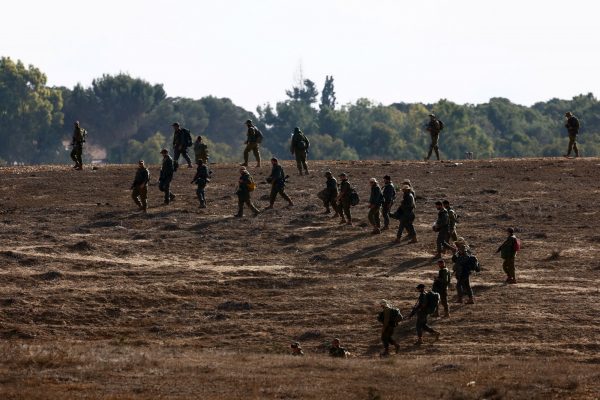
(330, 193)
(77, 143)
(243, 193)
(166, 176)
(389, 195)
(406, 215)
(434, 127)
(253, 140)
(420, 309)
(375, 201)
(277, 180)
(344, 201)
(336, 350)
(139, 187)
(572, 126)
(296, 349)
(389, 321)
(201, 179)
(299, 148)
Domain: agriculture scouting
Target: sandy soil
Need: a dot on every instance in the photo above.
(98, 300)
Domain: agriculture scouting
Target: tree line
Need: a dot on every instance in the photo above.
(129, 119)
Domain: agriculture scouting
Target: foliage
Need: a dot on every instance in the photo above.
(131, 119)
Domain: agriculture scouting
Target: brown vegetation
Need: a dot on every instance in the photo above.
(100, 301)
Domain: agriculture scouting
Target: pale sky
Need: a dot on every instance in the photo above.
(466, 51)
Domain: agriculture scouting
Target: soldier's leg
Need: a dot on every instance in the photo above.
(256, 154)
(434, 144)
(575, 146)
(510, 267)
(187, 156)
(376, 217)
(167, 187)
(240, 212)
(73, 153)
(272, 195)
(283, 194)
(298, 163)
(467, 289)
(401, 227)
(411, 227)
(246, 153)
(176, 154)
(453, 235)
(347, 211)
(444, 301)
(460, 291)
(385, 210)
(144, 197)
(385, 339)
(371, 217)
(437, 152)
(135, 194)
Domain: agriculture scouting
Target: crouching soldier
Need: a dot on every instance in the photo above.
(426, 304)
(139, 187)
(296, 349)
(336, 350)
(201, 179)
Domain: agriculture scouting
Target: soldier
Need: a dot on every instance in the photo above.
(508, 252)
(201, 179)
(343, 200)
(299, 148)
(375, 200)
(412, 189)
(440, 285)
(389, 195)
(182, 139)
(441, 227)
(296, 349)
(243, 193)
(464, 263)
(277, 181)
(434, 127)
(421, 310)
(201, 150)
(572, 126)
(329, 194)
(389, 317)
(139, 187)
(406, 215)
(336, 350)
(77, 143)
(253, 140)
(452, 220)
(166, 176)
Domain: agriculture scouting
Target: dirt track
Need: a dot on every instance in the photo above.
(82, 270)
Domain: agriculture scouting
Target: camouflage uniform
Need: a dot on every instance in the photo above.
(77, 142)
(181, 142)
(440, 285)
(387, 331)
(463, 265)
(165, 178)
(139, 187)
(201, 150)
(244, 194)
(443, 232)
(406, 212)
(434, 127)
(201, 179)
(452, 224)
(572, 126)
(508, 253)
(420, 309)
(331, 193)
(277, 179)
(389, 195)
(338, 352)
(299, 148)
(252, 144)
(344, 201)
(374, 207)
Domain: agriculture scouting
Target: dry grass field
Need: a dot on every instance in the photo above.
(100, 301)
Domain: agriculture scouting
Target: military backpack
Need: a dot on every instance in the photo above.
(354, 198)
(259, 135)
(432, 301)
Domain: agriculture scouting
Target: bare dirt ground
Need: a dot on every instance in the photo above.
(100, 301)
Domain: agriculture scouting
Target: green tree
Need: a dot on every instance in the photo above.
(30, 115)
(328, 94)
(306, 92)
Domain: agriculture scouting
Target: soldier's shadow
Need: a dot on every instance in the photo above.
(417, 262)
(367, 252)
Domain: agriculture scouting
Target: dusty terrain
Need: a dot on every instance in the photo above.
(100, 301)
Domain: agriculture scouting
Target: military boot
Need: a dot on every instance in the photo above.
(437, 335)
(203, 204)
(300, 172)
(342, 221)
(413, 240)
(446, 314)
(470, 301)
(419, 341)
(397, 346)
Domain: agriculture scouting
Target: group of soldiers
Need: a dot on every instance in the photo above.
(339, 198)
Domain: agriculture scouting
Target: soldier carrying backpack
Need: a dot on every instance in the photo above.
(434, 127)
(389, 317)
(426, 304)
(299, 148)
(182, 140)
